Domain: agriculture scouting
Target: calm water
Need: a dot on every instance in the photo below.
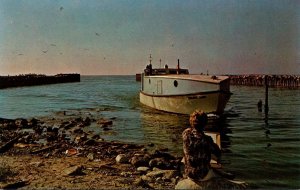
(266, 155)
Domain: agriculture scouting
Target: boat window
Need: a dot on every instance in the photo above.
(149, 81)
(175, 83)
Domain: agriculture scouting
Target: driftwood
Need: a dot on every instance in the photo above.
(44, 149)
(9, 144)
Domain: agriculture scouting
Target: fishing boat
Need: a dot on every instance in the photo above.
(175, 90)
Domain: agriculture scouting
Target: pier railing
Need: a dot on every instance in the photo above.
(285, 81)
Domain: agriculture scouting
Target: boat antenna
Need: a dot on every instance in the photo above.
(150, 59)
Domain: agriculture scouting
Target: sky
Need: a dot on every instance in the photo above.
(116, 37)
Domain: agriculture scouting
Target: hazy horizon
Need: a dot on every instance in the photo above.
(116, 37)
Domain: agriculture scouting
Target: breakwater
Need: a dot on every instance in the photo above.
(36, 79)
(282, 81)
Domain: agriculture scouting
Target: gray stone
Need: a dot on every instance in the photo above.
(143, 169)
(21, 122)
(90, 156)
(75, 170)
(155, 174)
(141, 183)
(146, 178)
(87, 121)
(160, 163)
(104, 122)
(159, 180)
(77, 129)
(167, 174)
(122, 159)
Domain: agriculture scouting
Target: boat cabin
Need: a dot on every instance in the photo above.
(164, 71)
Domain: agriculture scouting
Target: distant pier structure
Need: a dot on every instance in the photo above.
(36, 79)
(281, 81)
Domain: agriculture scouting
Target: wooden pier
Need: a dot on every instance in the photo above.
(36, 79)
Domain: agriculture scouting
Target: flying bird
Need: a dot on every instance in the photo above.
(61, 8)
(45, 51)
(97, 34)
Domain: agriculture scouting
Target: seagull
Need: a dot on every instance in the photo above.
(97, 34)
(61, 8)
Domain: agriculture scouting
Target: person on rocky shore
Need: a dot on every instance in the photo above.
(198, 147)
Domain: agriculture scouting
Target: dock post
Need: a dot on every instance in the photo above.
(266, 95)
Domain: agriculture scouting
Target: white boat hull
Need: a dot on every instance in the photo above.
(209, 102)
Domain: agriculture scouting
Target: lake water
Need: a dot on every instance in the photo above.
(264, 154)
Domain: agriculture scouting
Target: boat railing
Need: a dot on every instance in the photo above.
(165, 71)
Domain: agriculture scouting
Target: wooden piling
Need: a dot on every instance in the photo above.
(266, 95)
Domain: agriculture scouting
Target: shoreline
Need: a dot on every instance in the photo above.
(58, 153)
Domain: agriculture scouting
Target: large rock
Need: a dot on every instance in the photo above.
(122, 159)
(188, 184)
(140, 160)
(213, 183)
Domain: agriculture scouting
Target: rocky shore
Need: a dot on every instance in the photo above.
(59, 153)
